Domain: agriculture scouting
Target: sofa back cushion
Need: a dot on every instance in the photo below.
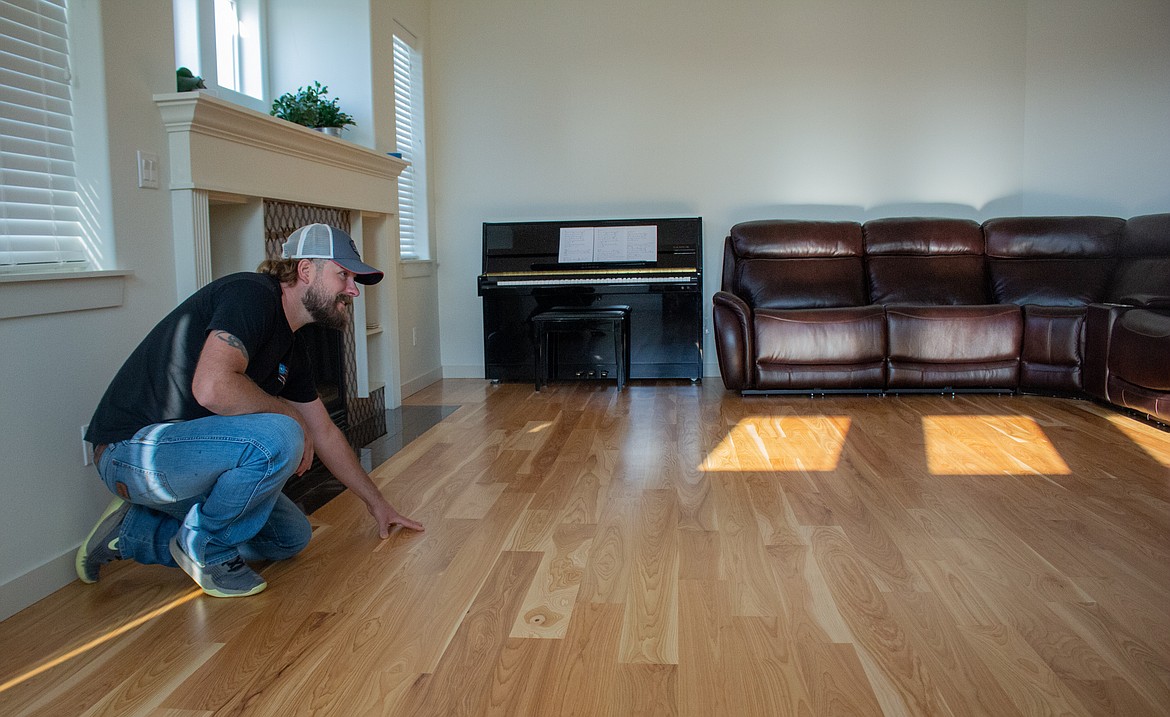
(793, 264)
(1143, 273)
(1053, 261)
(925, 261)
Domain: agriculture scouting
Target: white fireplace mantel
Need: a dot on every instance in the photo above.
(220, 148)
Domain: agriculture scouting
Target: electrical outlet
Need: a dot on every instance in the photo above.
(86, 448)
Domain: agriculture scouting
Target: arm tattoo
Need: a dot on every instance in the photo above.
(233, 342)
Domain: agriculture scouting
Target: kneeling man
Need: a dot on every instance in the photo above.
(215, 410)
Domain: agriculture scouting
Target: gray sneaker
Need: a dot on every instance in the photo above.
(101, 545)
(231, 579)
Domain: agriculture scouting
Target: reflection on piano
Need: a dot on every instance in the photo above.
(523, 275)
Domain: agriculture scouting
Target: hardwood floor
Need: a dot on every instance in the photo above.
(672, 550)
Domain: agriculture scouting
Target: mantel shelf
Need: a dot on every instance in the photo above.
(221, 147)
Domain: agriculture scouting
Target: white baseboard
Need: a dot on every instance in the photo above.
(463, 371)
(38, 583)
(420, 382)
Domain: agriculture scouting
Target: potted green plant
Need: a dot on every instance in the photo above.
(310, 106)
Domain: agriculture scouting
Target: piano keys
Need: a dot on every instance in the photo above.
(523, 274)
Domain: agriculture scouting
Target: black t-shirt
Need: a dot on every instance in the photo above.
(154, 385)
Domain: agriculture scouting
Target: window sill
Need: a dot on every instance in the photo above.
(415, 268)
(49, 293)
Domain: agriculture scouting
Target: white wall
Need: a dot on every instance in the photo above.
(1098, 107)
(328, 43)
(57, 366)
(749, 109)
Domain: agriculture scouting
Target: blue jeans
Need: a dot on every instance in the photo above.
(215, 482)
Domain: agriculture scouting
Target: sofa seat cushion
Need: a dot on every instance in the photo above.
(954, 346)
(1050, 359)
(840, 348)
(1139, 349)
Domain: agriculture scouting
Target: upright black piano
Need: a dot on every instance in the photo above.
(654, 266)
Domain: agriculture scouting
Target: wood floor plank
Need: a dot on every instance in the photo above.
(704, 616)
(457, 587)
(759, 661)
(151, 682)
(241, 673)
(809, 607)
(964, 682)
(650, 627)
(463, 677)
(1028, 681)
(835, 680)
(882, 642)
(1113, 696)
(582, 673)
(1128, 654)
(672, 549)
(889, 566)
(646, 690)
(607, 574)
(548, 606)
(743, 562)
(518, 679)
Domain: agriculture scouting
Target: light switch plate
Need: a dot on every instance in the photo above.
(147, 170)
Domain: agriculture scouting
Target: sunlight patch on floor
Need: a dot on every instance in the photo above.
(1149, 438)
(989, 445)
(780, 443)
(100, 640)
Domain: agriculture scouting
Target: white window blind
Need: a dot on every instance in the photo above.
(40, 217)
(409, 135)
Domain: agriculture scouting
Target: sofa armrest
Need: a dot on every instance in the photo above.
(1099, 321)
(734, 344)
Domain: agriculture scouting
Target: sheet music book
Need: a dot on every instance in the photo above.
(608, 244)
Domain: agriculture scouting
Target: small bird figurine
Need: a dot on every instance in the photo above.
(188, 81)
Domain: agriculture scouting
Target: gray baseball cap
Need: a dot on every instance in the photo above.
(321, 241)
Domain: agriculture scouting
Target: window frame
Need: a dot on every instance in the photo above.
(41, 291)
(414, 222)
(199, 51)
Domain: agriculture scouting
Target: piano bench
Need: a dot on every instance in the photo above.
(567, 319)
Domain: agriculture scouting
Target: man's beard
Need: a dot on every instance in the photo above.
(324, 308)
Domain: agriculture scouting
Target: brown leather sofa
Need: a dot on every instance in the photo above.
(1076, 306)
(1129, 334)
